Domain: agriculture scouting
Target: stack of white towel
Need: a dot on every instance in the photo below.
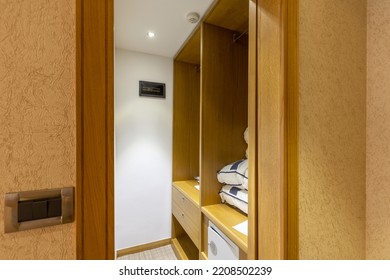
(234, 176)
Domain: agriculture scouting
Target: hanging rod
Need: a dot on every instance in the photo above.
(238, 37)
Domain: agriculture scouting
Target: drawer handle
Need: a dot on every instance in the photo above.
(182, 198)
(182, 215)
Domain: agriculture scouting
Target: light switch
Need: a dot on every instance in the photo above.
(54, 207)
(25, 211)
(39, 209)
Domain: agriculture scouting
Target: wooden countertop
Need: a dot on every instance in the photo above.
(225, 218)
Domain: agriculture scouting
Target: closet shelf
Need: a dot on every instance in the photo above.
(188, 189)
(184, 248)
(225, 218)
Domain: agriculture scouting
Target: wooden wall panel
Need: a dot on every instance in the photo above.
(186, 111)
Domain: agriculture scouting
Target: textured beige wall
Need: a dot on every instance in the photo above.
(332, 115)
(37, 116)
(378, 130)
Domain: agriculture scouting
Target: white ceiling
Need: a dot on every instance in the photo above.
(167, 18)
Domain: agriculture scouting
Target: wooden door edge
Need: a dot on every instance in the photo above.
(106, 242)
(79, 132)
(292, 238)
(286, 243)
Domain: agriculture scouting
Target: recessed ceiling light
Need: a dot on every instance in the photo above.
(151, 34)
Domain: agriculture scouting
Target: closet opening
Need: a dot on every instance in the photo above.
(210, 142)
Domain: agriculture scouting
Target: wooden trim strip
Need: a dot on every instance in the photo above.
(79, 131)
(284, 123)
(143, 247)
(253, 132)
(110, 193)
(292, 131)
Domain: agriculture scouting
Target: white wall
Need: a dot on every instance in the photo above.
(143, 164)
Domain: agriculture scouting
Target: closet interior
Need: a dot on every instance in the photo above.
(210, 115)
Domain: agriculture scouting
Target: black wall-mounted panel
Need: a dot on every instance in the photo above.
(151, 89)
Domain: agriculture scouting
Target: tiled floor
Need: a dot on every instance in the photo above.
(162, 253)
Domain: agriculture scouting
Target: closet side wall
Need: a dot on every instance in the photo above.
(378, 132)
(332, 130)
(186, 111)
(224, 103)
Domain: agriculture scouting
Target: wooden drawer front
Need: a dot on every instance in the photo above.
(189, 225)
(187, 213)
(187, 206)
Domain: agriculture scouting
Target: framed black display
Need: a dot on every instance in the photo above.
(151, 89)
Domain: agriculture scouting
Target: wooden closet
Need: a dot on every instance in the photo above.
(210, 115)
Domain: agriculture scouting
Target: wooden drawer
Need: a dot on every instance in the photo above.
(191, 228)
(187, 206)
(188, 215)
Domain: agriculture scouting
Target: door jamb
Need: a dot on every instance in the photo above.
(95, 129)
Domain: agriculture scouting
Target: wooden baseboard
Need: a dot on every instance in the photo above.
(143, 247)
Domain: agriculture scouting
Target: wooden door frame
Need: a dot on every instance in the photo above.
(95, 131)
(292, 122)
(273, 129)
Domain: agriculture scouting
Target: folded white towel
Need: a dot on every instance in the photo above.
(235, 197)
(235, 174)
(246, 135)
(245, 180)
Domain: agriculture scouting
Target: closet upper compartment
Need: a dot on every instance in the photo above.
(190, 52)
(231, 14)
